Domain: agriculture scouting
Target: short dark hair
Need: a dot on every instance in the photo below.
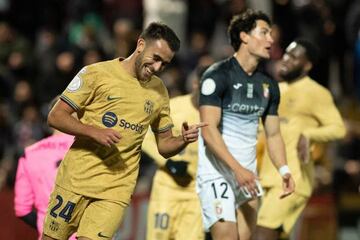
(244, 22)
(157, 30)
(311, 50)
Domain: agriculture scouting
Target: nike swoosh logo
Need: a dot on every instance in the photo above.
(110, 98)
(237, 86)
(102, 236)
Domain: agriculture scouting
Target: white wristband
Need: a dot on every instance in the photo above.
(284, 170)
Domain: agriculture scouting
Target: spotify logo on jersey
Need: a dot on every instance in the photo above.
(109, 119)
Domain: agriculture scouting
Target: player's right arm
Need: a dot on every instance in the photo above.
(60, 117)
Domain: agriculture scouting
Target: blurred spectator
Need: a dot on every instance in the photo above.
(86, 28)
(220, 47)
(198, 46)
(92, 55)
(89, 32)
(14, 50)
(264, 6)
(173, 80)
(29, 128)
(52, 83)
(6, 142)
(23, 96)
(202, 16)
(45, 51)
(203, 62)
(125, 37)
(6, 85)
(115, 9)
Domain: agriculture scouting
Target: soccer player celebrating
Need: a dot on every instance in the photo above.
(233, 96)
(308, 115)
(117, 101)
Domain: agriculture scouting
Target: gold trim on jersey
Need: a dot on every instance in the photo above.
(148, 106)
(68, 101)
(164, 129)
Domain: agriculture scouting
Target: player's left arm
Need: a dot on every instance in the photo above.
(170, 145)
(275, 143)
(277, 152)
(331, 126)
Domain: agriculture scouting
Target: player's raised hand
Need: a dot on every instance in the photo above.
(288, 185)
(191, 133)
(105, 136)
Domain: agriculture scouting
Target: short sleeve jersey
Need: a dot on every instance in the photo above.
(311, 113)
(243, 99)
(106, 96)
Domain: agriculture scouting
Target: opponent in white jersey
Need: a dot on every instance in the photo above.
(233, 96)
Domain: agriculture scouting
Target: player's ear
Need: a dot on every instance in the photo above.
(244, 37)
(140, 46)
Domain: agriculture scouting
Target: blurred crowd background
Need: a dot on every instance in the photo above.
(44, 43)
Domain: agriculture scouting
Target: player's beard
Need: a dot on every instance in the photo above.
(138, 67)
(292, 75)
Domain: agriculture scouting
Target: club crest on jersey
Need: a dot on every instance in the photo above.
(148, 107)
(54, 226)
(76, 83)
(109, 119)
(218, 208)
(266, 91)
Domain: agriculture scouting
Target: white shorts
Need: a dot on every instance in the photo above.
(219, 198)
